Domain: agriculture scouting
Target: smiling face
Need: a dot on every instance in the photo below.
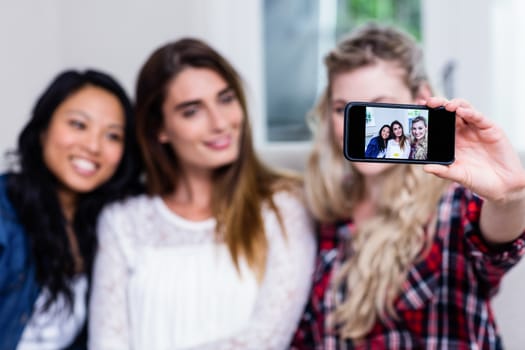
(419, 130)
(398, 130)
(385, 133)
(84, 141)
(202, 120)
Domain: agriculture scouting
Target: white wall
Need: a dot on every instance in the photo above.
(486, 40)
(459, 31)
(508, 57)
(509, 308)
(39, 38)
(30, 57)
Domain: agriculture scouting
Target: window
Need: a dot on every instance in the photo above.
(297, 35)
(405, 14)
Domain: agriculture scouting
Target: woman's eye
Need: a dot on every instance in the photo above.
(339, 110)
(189, 112)
(77, 124)
(114, 136)
(227, 98)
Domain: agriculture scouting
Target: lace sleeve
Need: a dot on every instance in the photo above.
(286, 284)
(108, 319)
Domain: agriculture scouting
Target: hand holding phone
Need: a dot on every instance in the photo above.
(486, 163)
(398, 133)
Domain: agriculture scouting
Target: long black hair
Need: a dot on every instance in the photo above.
(382, 142)
(32, 188)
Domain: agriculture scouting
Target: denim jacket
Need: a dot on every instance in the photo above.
(18, 286)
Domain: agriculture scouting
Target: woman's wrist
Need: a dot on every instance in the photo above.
(503, 220)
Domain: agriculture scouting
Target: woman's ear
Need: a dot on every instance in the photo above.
(424, 92)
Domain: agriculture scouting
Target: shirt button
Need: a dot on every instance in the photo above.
(23, 318)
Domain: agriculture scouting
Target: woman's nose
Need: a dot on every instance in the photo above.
(92, 142)
(217, 119)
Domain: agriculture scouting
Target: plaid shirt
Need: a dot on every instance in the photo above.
(444, 303)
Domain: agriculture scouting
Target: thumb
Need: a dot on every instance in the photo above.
(436, 169)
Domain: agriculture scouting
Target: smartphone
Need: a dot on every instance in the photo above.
(398, 133)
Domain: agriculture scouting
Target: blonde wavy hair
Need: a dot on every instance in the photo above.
(421, 147)
(385, 246)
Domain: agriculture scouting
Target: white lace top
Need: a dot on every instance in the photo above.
(164, 282)
(393, 149)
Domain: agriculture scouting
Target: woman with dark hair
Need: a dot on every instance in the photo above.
(74, 155)
(376, 148)
(219, 255)
(399, 145)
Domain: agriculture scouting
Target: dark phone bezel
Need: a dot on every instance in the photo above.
(441, 149)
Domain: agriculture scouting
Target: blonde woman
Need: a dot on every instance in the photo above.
(219, 254)
(409, 255)
(419, 139)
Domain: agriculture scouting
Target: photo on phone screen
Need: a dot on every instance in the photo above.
(379, 132)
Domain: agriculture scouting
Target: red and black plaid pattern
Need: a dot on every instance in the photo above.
(445, 302)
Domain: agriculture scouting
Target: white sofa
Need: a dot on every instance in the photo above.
(509, 303)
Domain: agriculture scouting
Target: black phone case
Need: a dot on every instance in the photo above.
(354, 135)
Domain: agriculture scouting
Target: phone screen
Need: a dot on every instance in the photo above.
(380, 132)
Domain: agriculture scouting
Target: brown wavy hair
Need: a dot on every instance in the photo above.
(402, 139)
(240, 188)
